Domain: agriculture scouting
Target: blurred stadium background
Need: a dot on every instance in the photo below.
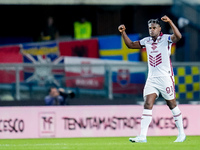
(101, 70)
(22, 81)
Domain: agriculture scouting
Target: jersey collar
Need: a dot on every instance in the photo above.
(158, 38)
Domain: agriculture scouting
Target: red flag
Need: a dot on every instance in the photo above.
(10, 54)
(80, 48)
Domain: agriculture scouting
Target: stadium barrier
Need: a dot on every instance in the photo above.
(82, 75)
(93, 77)
(92, 121)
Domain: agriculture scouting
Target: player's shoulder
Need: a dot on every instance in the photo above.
(145, 38)
(166, 35)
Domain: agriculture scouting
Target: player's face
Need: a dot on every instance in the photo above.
(154, 30)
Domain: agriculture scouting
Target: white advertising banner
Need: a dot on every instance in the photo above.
(90, 73)
(92, 121)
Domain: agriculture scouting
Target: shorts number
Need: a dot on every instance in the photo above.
(169, 89)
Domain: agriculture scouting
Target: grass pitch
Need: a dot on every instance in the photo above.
(107, 143)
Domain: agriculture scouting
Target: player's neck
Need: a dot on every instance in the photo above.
(154, 38)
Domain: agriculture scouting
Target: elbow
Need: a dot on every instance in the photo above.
(128, 46)
(180, 36)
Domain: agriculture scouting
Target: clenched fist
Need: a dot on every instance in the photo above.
(121, 28)
(165, 19)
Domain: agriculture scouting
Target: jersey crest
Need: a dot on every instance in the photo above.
(154, 46)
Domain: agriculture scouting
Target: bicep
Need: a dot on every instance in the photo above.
(135, 45)
(174, 39)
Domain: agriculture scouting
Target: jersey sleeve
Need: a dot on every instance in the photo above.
(169, 38)
(142, 42)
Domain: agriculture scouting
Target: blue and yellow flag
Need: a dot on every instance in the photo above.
(187, 82)
(114, 48)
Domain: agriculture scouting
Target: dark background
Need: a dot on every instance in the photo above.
(28, 20)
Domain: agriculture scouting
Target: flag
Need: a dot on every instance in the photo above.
(187, 82)
(114, 48)
(42, 53)
(85, 76)
(126, 81)
(10, 54)
(173, 49)
(80, 48)
(144, 54)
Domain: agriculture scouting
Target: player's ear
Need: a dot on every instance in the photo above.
(160, 29)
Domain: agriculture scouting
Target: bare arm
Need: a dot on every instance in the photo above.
(128, 42)
(176, 36)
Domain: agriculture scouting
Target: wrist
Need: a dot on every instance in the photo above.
(123, 32)
(170, 21)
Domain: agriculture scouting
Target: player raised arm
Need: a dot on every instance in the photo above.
(176, 36)
(128, 42)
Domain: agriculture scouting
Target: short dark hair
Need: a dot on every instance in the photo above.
(154, 21)
(52, 87)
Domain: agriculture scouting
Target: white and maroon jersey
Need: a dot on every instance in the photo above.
(158, 53)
